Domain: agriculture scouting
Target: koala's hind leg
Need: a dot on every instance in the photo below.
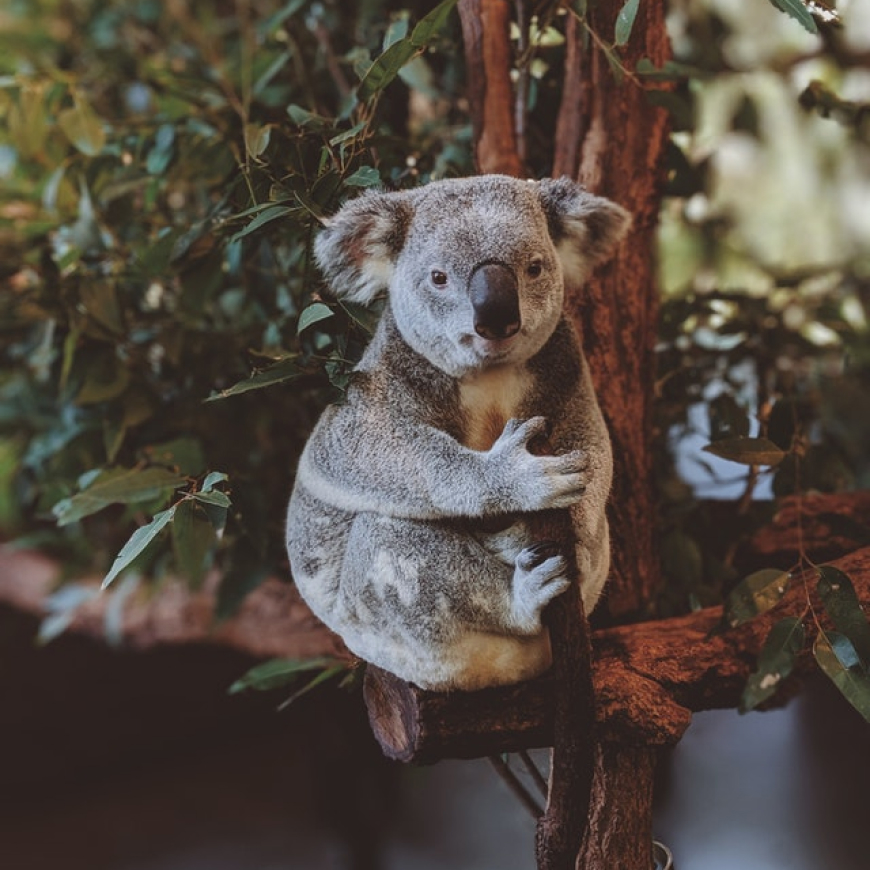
(450, 613)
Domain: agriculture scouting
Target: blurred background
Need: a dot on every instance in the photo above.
(163, 167)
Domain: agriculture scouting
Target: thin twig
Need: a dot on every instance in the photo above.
(513, 783)
(521, 95)
(532, 768)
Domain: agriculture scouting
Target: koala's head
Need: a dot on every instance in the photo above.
(475, 268)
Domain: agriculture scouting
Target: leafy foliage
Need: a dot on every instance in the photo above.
(167, 346)
(165, 169)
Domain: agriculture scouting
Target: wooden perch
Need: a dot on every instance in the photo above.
(648, 679)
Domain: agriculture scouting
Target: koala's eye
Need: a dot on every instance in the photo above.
(535, 268)
(439, 279)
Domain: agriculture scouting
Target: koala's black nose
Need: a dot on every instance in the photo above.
(496, 300)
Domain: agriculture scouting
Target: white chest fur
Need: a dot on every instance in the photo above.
(489, 400)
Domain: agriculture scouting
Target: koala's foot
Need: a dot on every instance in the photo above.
(539, 577)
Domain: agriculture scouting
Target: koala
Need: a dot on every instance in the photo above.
(407, 528)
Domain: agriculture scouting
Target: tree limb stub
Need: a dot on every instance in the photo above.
(647, 677)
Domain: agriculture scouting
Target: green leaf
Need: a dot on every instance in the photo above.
(212, 479)
(193, 536)
(430, 24)
(755, 594)
(798, 10)
(365, 176)
(842, 605)
(839, 661)
(279, 672)
(670, 71)
(313, 314)
(257, 138)
(138, 542)
(747, 451)
(215, 497)
(264, 217)
(386, 67)
(625, 21)
(116, 486)
(83, 128)
(775, 662)
(322, 677)
(285, 370)
(304, 118)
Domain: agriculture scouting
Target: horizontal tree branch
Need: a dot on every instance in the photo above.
(648, 678)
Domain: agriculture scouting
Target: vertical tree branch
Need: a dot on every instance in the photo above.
(566, 151)
(619, 833)
(522, 95)
(486, 35)
(621, 156)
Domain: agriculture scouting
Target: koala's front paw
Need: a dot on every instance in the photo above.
(537, 482)
(539, 577)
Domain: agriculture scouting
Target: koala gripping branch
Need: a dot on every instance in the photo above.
(647, 677)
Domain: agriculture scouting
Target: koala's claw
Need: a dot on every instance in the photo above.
(535, 555)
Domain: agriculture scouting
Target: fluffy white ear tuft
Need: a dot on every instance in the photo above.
(586, 229)
(358, 247)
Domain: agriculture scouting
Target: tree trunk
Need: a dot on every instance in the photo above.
(616, 140)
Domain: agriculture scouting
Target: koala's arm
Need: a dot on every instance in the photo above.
(360, 460)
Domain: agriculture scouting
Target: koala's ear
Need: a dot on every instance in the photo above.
(358, 247)
(585, 229)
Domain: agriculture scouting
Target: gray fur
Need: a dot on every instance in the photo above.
(405, 528)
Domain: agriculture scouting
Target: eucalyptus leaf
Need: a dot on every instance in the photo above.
(117, 486)
(747, 451)
(322, 677)
(625, 21)
(755, 594)
(137, 544)
(387, 66)
(775, 662)
(285, 370)
(215, 497)
(83, 127)
(313, 314)
(365, 176)
(212, 479)
(799, 10)
(840, 663)
(193, 537)
(842, 605)
(276, 673)
(266, 216)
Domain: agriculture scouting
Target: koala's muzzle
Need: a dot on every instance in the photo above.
(496, 300)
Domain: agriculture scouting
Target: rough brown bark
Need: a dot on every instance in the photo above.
(566, 149)
(486, 36)
(824, 526)
(623, 144)
(619, 835)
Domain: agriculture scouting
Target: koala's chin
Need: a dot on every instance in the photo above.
(406, 530)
